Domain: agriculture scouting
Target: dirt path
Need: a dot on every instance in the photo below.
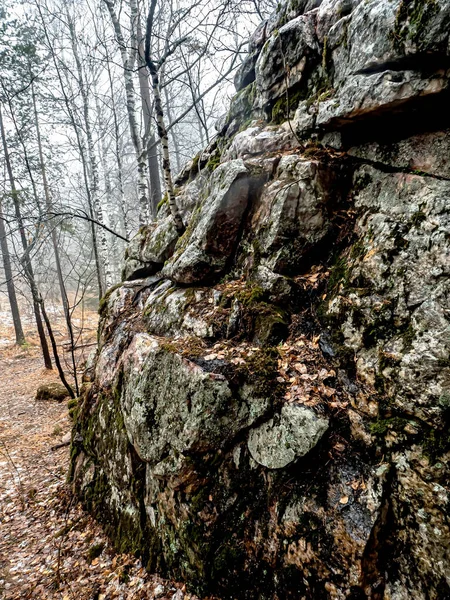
(49, 548)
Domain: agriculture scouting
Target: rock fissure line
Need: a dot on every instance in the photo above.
(385, 168)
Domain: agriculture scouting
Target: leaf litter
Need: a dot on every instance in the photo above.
(50, 549)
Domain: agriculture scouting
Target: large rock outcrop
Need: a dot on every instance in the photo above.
(268, 412)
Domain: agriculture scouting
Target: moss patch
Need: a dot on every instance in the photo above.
(103, 304)
(214, 161)
(163, 201)
(285, 106)
(412, 19)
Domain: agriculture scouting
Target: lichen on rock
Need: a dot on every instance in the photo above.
(285, 438)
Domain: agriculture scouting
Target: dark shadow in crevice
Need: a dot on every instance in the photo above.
(425, 63)
(391, 124)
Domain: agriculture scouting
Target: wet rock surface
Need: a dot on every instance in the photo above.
(267, 415)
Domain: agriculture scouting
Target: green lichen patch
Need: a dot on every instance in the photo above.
(164, 200)
(412, 19)
(284, 107)
(103, 304)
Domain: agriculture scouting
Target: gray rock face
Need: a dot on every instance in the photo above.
(292, 214)
(281, 441)
(205, 247)
(405, 220)
(173, 311)
(425, 153)
(196, 409)
(257, 140)
(289, 49)
(267, 413)
(371, 52)
(150, 248)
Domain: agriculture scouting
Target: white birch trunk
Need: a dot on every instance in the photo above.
(128, 61)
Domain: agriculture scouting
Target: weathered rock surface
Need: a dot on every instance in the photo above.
(267, 415)
(150, 248)
(293, 434)
(211, 238)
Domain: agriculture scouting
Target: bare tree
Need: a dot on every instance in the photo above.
(128, 64)
(93, 170)
(20, 337)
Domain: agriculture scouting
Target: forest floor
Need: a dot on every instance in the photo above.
(49, 547)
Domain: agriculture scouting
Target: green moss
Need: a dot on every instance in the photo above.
(324, 92)
(214, 161)
(412, 19)
(73, 407)
(251, 294)
(103, 304)
(73, 402)
(382, 426)
(163, 201)
(169, 347)
(339, 274)
(184, 239)
(94, 551)
(284, 107)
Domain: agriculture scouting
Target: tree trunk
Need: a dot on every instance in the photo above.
(118, 155)
(81, 148)
(172, 132)
(55, 353)
(144, 86)
(162, 131)
(108, 279)
(20, 338)
(109, 275)
(140, 151)
(48, 203)
(26, 258)
(28, 268)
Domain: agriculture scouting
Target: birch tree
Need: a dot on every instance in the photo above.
(93, 164)
(128, 63)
